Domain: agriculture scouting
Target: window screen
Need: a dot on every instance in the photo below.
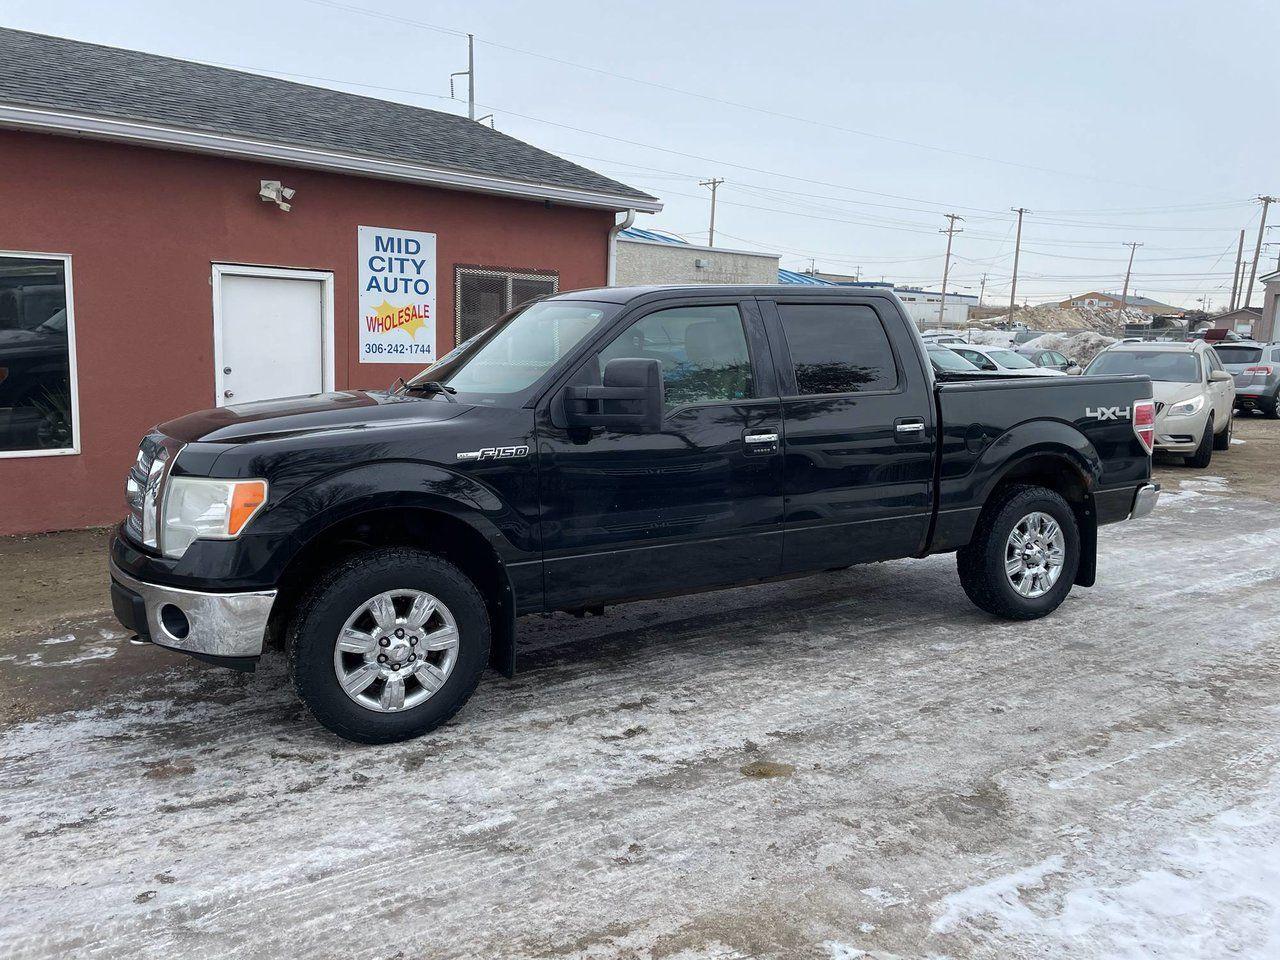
(703, 352)
(483, 294)
(37, 405)
(837, 348)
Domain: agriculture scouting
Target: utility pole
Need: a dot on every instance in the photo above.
(1017, 249)
(470, 74)
(1257, 250)
(950, 231)
(857, 274)
(982, 289)
(1124, 297)
(1235, 274)
(1276, 244)
(713, 183)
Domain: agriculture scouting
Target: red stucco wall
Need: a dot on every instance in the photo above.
(144, 226)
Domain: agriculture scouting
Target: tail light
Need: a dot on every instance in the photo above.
(1144, 423)
(1264, 370)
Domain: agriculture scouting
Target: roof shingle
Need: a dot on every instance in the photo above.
(54, 73)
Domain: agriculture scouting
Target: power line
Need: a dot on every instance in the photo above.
(722, 101)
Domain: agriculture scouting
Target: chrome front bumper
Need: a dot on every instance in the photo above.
(1144, 501)
(230, 625)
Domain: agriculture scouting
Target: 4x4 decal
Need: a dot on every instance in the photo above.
(1107, 413)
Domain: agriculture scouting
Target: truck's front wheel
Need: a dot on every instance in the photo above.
(389, 645)
(1024, 553)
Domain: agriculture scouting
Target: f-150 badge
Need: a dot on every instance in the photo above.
(494, 453)
(1107, 413)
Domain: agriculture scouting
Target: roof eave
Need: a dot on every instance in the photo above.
(197, 141)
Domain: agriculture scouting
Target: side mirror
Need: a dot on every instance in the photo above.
(1219, 376)
(1074, 370)
(630, 400)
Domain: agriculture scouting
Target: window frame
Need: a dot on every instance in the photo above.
(72, 368)
(509, 274)
(790, 388)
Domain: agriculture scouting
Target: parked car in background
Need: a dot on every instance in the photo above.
(1026, 336)
(1002, 360)
(938, 336)
(1194, 394)
(1256, 368)
(1049, 359)
(945, 360)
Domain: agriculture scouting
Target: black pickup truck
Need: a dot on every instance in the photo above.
(604, 446)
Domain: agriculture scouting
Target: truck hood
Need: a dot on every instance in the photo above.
(344, 410)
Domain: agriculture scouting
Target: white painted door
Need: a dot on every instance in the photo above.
(272, 333)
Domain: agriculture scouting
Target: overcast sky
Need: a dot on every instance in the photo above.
(850, 128)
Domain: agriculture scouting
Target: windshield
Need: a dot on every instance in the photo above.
(515, 352)
(1238, 354)
(950, 360)
(1007, 358)
(1166, 366)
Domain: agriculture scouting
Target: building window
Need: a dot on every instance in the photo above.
(38, 404)
(483, 294)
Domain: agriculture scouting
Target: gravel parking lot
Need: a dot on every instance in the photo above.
(855, 765)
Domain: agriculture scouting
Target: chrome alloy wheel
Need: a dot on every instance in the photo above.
(1034, 555)
(396, 650)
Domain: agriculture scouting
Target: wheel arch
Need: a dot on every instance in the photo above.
(433, 525)
(1070, 470)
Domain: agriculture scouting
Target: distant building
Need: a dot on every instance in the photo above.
(921, 305)
(1266, 328)
(1243, 321)
(1112, 301)
(650, 256)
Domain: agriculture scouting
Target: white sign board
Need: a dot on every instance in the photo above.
(397, 296)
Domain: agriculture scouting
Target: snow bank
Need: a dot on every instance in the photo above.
(1080, 347)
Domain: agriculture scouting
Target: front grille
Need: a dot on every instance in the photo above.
(142, 487)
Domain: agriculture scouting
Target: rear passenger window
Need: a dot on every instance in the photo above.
(837, 348)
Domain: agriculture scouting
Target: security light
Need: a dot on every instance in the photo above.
(273, 191)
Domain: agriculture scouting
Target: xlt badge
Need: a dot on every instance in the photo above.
(494, 453)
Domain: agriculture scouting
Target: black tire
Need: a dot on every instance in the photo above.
(324, 610)
(1204, 452)
(981, 563)
(1271, 410)
(1222, 439)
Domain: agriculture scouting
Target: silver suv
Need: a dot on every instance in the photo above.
(1194, 394)
(1256, 368)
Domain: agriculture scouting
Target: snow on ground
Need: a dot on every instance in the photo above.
(853, 765)
(1080, 347)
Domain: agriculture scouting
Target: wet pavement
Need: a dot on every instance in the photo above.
(856, 764)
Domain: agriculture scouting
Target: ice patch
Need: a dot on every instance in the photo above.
(1000, 899)
(52, 640)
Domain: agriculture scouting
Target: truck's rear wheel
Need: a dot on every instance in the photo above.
(388, 645)
(1024, 553)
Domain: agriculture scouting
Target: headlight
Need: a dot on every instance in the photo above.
(201, 508)
(1186, 408)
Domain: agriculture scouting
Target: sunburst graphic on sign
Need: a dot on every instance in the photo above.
(410, 319)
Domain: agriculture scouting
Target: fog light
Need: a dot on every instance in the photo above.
(174, 621)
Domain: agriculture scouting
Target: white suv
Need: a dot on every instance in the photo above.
(1194, 394)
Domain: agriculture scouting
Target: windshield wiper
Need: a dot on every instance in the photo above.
(428, 386)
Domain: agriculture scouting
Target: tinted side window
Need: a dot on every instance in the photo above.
(703, 351)
(838, 348)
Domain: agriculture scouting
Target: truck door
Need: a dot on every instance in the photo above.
(858, 431)
(697, 504)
